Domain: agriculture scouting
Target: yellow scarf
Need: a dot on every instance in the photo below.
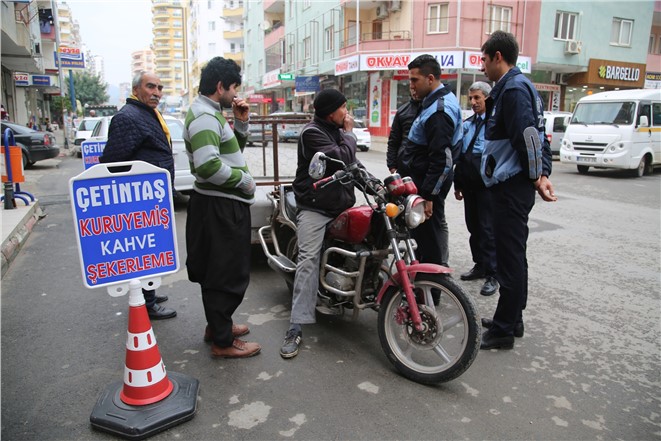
(161, 120)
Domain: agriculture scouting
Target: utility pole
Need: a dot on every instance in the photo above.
(59, 70)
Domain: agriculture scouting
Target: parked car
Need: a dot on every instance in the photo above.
(290, 131)
(83, 132)
(363, 135)
(183, 178)
(260, 133)
(554, 122)
(35, 145)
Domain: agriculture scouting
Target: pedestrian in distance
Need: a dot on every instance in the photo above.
(469, 187)
(399, 132)
(434, 141)
(218, 222)
(516, 161)
(138, 133)
(329, 132)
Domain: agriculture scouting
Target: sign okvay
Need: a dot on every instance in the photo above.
(125, 227)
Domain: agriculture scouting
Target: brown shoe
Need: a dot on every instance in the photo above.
(237, 331)
(239, 349)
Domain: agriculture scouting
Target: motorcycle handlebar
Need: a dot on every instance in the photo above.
(325, 181)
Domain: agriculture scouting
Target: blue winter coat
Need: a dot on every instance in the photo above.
(135, 134)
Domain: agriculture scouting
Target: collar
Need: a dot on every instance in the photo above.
(205, 99)
(503, 80)
(432, 97)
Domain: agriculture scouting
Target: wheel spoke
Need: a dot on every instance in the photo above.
(440, 351)
(452, 322)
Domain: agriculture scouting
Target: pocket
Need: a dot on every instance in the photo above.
(489, 166)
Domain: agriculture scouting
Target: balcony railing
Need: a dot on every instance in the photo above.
(378, 41)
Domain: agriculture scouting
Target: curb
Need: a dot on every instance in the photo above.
(14, 242)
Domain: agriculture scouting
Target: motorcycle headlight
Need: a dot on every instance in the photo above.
(414, 213)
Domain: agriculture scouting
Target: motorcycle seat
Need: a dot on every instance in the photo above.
(290, 203)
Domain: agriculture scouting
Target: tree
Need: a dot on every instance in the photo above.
(58, 106)
(89, 89)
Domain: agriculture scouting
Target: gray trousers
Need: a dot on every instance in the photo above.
(310, 234)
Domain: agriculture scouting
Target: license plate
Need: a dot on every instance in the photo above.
(586, 159)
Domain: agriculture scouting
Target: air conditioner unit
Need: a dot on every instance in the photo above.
(395, 5)
(381, 11)
(573, 47)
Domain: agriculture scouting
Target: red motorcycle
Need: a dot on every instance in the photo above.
(428, 325)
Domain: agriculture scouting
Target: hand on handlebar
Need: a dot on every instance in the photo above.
(325, 181)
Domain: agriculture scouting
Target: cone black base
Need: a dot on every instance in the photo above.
(111, 414)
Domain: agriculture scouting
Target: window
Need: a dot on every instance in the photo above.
(565, 25)
(656, 114)
(438, 19)
(233, 48)
(650, 46)
(621, 32)
(499, 18)
(377, 30)
(306, 48)
(212, 25)
(307, 4)
(212, 48)
(329, 39)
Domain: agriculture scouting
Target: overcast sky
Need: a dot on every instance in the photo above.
(114, 29)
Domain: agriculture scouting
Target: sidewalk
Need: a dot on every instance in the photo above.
(17, 223)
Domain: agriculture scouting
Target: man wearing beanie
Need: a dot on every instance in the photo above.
(330, 132)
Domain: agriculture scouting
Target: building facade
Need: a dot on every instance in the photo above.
(568, 49)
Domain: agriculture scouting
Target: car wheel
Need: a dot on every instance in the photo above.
(363, 148)
(641, 170)
(583, 169)
(26, 160)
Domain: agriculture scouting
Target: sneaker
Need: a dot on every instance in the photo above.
(158, 312)
(239, 349)
(293, 339)
(237, 331)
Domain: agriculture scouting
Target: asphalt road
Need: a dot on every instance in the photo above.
(587, 367)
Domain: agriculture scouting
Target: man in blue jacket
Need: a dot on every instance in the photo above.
(138, 133)
(434, 143)
(516, 161)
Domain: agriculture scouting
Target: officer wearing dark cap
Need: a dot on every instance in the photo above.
(329, 132)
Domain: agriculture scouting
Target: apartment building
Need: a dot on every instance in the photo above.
(295, 48)
(142, 60)
(169, 20)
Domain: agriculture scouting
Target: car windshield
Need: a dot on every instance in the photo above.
(88, 124)
(604, 113)
(176, 128)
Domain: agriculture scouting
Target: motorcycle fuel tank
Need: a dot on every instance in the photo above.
(352, 225)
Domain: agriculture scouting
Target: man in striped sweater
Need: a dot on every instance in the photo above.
(218, 223)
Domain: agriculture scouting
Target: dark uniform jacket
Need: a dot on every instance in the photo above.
(399, 132)
(323, 136)
(135, 134)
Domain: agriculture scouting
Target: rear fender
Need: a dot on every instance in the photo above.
(412, 270)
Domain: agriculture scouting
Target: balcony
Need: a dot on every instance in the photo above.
(162, 25)
(377, 42)
(236, 56)
(233, 35)
(162, 58)
(162, 37)
(274, 35)
(235, 12)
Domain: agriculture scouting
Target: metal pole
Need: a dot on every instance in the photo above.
(60, 74)
(72, 92)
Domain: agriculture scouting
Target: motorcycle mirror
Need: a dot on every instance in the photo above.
(317, 167)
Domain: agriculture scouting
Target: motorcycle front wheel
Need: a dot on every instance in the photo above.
(450, 340)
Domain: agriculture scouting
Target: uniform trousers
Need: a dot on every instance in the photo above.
(218, 247)
(478, 213)
(432, 236)
(512, 202)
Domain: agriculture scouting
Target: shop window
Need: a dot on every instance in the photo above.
(565, 25)
(621, 32)
(499, 18)
(437, 18)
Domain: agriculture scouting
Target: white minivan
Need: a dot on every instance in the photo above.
(617, 129)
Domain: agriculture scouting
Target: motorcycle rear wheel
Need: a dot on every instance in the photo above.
(451, 339)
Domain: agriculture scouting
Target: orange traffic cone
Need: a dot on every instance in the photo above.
(145, 379)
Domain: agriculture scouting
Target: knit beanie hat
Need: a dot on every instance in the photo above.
(328, 101)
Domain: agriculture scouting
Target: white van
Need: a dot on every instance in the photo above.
(618, 129)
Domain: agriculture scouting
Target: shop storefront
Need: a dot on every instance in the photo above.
(601, 76)
(377, 84)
